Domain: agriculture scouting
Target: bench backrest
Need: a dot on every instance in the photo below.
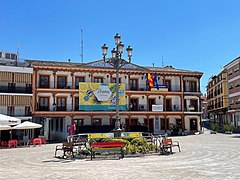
(107, 144)
(67, 145)
(167, 141)
(12, 142)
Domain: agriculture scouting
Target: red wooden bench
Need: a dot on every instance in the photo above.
(37, 141)
(44, 141)
(168, 144)
(12, 143)
(116, 147)
(4, 144)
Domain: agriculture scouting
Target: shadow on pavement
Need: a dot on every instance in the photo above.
(236, 136)
(59, 160)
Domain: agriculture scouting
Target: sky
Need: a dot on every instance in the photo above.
(197, 35)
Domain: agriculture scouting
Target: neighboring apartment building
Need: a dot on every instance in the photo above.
(217, 97)
(15, 87)
(56, 98)
(233, 73)
(204, 107)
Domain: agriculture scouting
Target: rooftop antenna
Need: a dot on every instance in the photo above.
(82, 45)
(18, 53)
(162, 62)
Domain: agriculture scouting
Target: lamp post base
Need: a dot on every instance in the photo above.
(117, 133)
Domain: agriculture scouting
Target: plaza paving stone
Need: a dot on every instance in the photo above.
(204, 156)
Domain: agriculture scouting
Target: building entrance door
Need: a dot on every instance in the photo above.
(193, 124)
(151, 102)
(149, 125)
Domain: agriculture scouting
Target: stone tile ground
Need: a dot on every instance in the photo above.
(205, 156)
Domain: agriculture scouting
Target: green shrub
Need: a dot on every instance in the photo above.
(133, 149)
(214, 126)
(132, 145)
(228, 127)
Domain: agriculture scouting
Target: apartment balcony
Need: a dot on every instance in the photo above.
(43, 108)
(13, 89)
(191, 89)
(140, 107)
(191, 109)
(139, 87)
(22, 114)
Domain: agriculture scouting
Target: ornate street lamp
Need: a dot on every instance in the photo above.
(117, 62)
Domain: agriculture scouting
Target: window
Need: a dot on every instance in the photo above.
(51, 124)
(57, 124)
(192, 86)
(164, 124)
(114, 80)
(133, 84)
(28, 111)
(98, 79)
(62, 82)
(61, 104)
(97, 122)
(61, 124)
(193, 105)
(168, 104)
(179, 123)
(236, 69)
(78, 122)
(238, 101)
(237, 84)
(13, 56)
(44, 81)
(229, 72)
(7, 55)
(11, 87)
(231, 101)
(43, 103)
(168, 83)
(29, 88)
(76, 103)
(77, 80)
(10, 111)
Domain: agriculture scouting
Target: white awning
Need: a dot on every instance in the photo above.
(8, 120)
(5, 127)
(27, 125)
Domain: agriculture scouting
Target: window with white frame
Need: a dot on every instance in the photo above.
(229, 72)
(237, 84)
(236, 69)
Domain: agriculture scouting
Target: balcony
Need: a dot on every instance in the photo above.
(143, 87)
(190, 89)
(13, 89)
(43, 108)
(139, 87)
(191, 109)
(62, 108)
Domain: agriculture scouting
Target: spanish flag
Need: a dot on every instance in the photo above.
(150, 80)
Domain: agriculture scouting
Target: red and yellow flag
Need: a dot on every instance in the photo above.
(150, 80)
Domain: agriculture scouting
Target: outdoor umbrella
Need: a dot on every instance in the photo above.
(8, 120)
(27, 125)
(5, 127)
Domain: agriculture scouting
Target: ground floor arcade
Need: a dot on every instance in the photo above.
(58, 127)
